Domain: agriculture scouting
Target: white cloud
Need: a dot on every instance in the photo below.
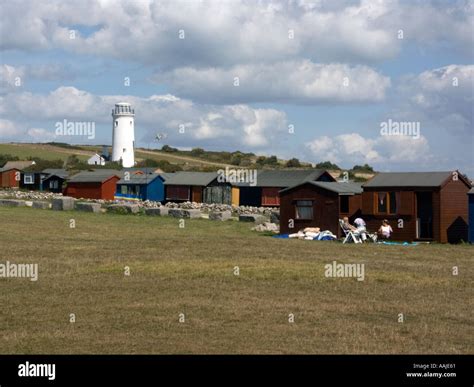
(293, 81)
(384, 151)
(8, 129)
(231, 32)
(235, 124)
(440, 98)
(41, 135)
(10, 77)
(17, 77)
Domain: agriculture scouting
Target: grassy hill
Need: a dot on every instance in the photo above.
(184, 160)
(83, 152)
(43, 151)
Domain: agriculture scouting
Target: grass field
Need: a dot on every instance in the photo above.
(191, 271)
(43, 151)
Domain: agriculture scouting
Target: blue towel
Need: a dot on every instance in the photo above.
(400, 243)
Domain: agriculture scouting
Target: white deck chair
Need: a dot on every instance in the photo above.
(351, 236)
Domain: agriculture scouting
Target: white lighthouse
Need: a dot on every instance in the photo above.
(123, 134)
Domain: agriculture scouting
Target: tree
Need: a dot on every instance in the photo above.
(365, 168)
(167, 148)
(236, 159)
(260, 160)
(272, 160)
(245, 163)
(293, 163)
(196, 152)
(327, 165)
(72, 161)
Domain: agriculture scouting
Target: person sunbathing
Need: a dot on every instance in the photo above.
(360, 228)
(347, 226)
(385, 230)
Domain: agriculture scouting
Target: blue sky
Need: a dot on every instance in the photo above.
(335, 70)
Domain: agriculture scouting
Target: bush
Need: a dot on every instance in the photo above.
(293, 163)
(167, 148)
(363, 168)
(196, 152)
(236, 159)
(272, 160)
(327, 165)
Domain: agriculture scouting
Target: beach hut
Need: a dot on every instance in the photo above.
(142, 185)
(268, 184)
(199, 187)
(94, 184)
(423, 206)
(10, 173)
(319, 204)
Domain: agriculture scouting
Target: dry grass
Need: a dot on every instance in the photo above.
(190, 271)
(43, 151)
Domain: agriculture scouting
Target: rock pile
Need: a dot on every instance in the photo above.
(267, 227)
(28, 195)
(206, 208)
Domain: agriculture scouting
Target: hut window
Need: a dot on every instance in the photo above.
(123, 189)
(28, 179)
(344, 203)
(304, 209)
(53, 184)
(387, 202)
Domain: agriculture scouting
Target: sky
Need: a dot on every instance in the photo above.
(388, 83)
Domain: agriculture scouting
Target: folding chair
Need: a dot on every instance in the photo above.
(351, 236)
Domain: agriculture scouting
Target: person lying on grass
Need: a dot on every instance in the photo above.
(385, 230)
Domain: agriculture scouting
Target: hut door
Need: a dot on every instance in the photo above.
(196, 194)
(424, 215)
(220, 194)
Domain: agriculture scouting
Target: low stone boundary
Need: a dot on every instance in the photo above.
(123, 208)
(88, 207)
(42, 205)
(158, 211)
(180, 213)
(12, 203)
(65, 203)
(220, 215)
(257, 219)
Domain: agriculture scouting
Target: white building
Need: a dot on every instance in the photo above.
(123, 134)
(96, 160)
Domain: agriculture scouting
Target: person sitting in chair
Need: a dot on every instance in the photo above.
(361, 229)
(347, 226)
(385, 230)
